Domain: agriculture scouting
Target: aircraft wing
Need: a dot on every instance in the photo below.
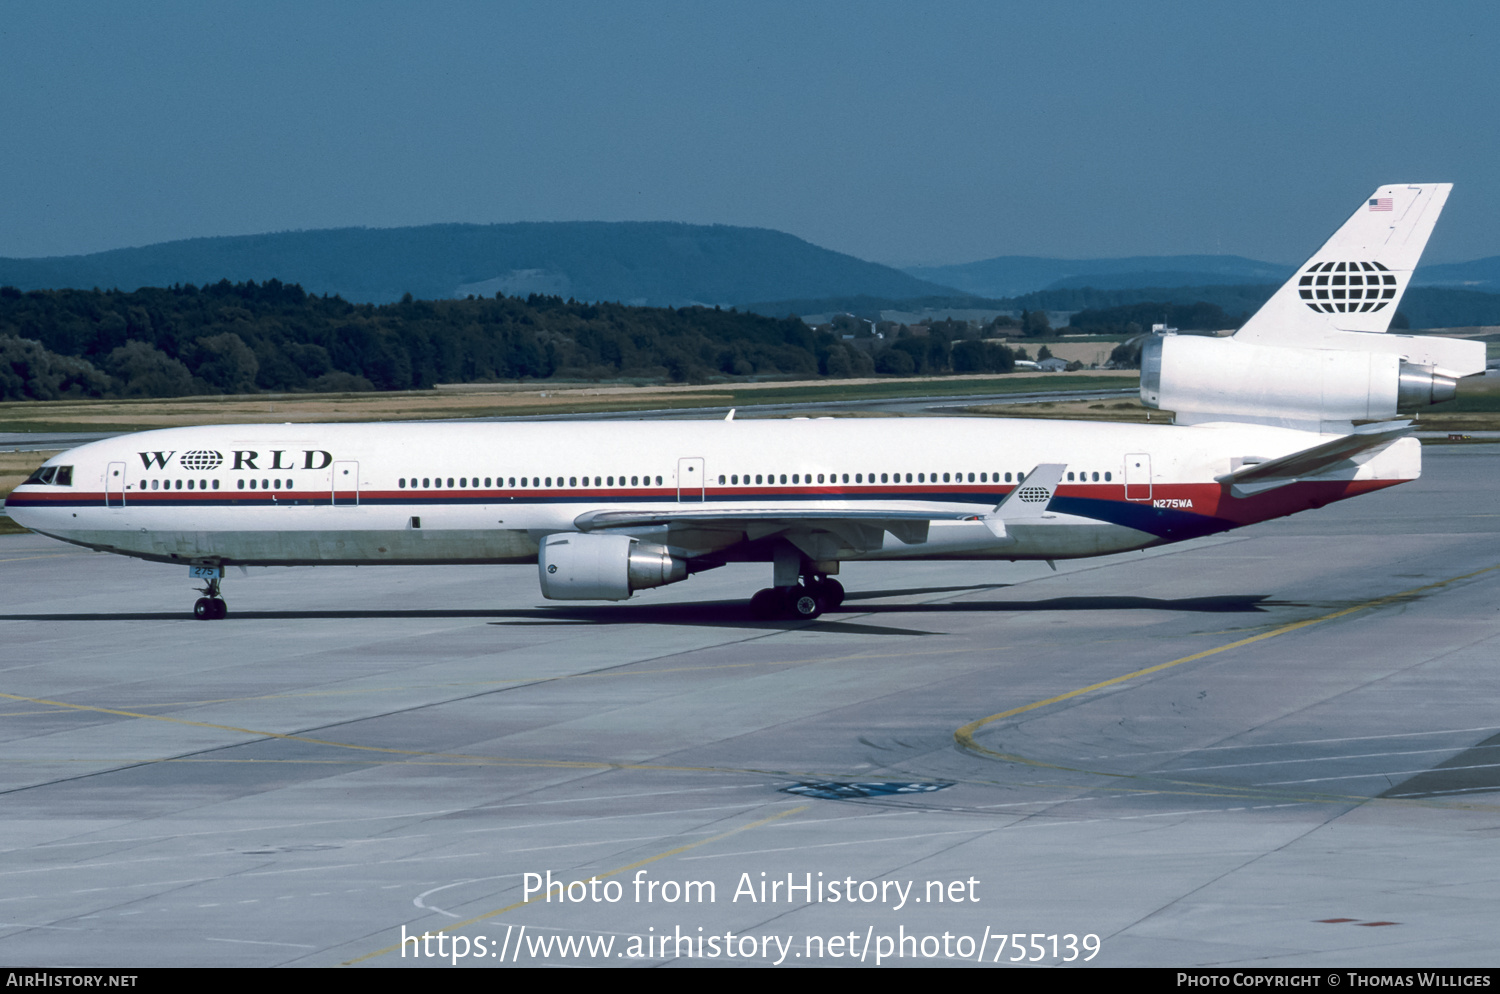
(858, 527)
(1258, 477)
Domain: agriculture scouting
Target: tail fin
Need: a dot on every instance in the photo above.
(1355, 281)
(1312, 357)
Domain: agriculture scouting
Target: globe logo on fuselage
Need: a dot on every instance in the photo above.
(1346, 287)
(200, 460)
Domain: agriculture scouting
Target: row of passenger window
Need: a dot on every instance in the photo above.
(62, 476)
(734, 480)
(214, 484)
(178, 484)
(436, 482)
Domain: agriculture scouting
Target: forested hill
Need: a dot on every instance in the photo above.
(649, 263)
(1015, 275)
(240, 338)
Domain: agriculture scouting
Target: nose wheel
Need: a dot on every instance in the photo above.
(210, 609)
(211, 606)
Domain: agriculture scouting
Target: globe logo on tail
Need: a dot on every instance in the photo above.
(1346, 287)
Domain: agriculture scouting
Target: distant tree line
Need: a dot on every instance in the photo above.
(230, 338)
(1132, 319)
(934, 349)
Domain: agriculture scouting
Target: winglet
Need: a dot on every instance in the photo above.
(1029, 500)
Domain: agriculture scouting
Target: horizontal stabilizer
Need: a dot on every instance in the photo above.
(1258, 477)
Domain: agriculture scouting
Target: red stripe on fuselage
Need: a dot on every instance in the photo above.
(1207, 499)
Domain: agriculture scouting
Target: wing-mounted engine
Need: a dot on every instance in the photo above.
(578, 567)
(1317, 355)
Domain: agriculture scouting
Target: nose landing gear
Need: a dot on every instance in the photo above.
(210, 609)
(211, 606)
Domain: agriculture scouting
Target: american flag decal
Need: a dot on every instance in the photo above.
(1380, 204)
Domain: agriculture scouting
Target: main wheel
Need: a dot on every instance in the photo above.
(831, 591)
(804, 603)
(767, 603)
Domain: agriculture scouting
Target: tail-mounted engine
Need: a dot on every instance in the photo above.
(578, 567)
(1317, 354)
(1355, 377)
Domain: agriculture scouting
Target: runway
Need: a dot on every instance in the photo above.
(1274, 747)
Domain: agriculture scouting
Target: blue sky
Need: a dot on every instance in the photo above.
(908, 133)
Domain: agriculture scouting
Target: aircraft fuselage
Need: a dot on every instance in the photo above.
(491, 492)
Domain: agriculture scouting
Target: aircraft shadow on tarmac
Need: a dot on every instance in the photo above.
(729, 614)
(1222, 604)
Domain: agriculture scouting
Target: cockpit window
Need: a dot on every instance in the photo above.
(52, 476)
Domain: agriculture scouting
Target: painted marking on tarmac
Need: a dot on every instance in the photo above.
(1314, 759)
(537, 678)
(1304, 742)
(460, 758)
(1389, 773)
(51, 555)
(844, 842)
(432, 758)
(964, 735)
(598, 876)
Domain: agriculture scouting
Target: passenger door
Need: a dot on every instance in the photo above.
(690, 480)
(346, 483)
(114, 485)
(1138, 476)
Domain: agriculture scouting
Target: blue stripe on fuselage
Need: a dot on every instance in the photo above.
(1163, 522)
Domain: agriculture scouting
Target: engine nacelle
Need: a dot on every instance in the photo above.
(578, 567)
(1204, 379)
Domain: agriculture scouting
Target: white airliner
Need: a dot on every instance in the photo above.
(1263, 428)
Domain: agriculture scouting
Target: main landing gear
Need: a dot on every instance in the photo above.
(810, 597)
(211, 606)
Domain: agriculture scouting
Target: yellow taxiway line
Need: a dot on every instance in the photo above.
(964, 735)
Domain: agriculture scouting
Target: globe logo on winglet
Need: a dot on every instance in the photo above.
(200, 460)
(1034, 495)
(1346, 287)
